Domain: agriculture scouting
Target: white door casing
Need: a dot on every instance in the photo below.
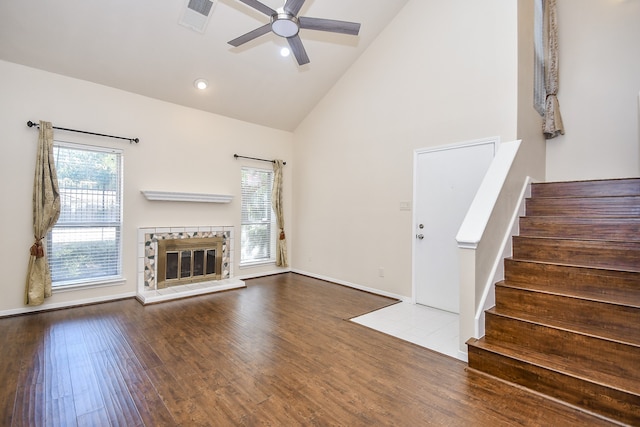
(446, 179)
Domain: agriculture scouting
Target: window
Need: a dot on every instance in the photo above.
(539, 90)
(258, 227)
(84, 247)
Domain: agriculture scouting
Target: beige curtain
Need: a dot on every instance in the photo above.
(46, 210)
(552, 126)
(276, 201)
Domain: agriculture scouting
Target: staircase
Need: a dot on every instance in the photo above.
(567, 317)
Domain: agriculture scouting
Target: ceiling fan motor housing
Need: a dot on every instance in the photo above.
(284, 24)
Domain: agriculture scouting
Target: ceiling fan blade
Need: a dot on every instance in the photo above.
(330, 25)
(259, 7)
(250, 35)
(293, 6)
(298, 50)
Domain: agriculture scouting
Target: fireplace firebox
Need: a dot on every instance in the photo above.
(184, 261)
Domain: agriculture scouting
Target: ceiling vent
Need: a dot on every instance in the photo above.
(196, 14)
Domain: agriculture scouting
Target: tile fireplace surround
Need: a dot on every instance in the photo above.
(148, 237)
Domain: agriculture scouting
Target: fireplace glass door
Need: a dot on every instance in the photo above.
(187, 261)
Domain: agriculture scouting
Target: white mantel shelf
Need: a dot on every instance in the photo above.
(172, 196)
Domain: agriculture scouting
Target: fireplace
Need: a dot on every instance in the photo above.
(184, 261)
(174, 262)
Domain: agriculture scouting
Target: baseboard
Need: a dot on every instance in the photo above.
(61, 305)
(352, 285)
(262, 274)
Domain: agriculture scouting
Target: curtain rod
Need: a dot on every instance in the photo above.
(255, 158)
(136, 140)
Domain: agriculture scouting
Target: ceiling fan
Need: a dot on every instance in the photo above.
(285, 23)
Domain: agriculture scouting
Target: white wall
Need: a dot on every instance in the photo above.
(441, 72)
(599, 83)
(180, 149)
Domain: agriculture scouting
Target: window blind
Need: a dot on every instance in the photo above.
(85, 244)
(258, 226)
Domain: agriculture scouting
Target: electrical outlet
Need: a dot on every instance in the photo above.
(381, 272)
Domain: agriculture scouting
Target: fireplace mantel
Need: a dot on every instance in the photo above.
(173, 196)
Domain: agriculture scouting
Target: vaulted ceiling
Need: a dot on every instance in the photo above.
(139, 46)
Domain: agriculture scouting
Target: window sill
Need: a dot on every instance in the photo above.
(257, 263)
(80, 285)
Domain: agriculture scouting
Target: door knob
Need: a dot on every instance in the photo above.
(420, 236)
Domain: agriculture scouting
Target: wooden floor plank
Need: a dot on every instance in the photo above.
(278, 352)
(149, 404)
(14, 331)
(29, 408)
(119, 404)
(58, 401)
(86, 393)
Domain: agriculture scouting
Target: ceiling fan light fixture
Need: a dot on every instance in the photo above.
(284, 25)
(201, 84)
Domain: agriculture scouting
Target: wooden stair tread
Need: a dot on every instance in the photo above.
(598, 418)
(542, 323)
(616, 286)
(610, 403)
(605, 328)
(564, 292)
(591, 228)
(558, 365)
(623, 256)
(614, 206)
(611, 361)
(603, 187)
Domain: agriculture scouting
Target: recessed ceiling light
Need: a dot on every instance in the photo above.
(285, 51)
(201, 84)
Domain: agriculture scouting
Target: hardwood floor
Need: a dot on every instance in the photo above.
(280, 352)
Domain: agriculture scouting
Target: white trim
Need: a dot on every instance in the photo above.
(56, 306)
(492, 139)
(263, 273)
(479, 213)
(251, 264)
(101, 281)
(87, 147)
(353, 285)
(497, 270)
(496, 147)
(174, 196)
(244, 219)
(88, 284)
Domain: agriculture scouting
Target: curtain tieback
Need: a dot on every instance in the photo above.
(36, 249)
(282, 237)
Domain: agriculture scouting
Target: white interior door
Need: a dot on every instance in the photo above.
(446, 181)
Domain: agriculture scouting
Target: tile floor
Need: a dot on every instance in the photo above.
(425, 326)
